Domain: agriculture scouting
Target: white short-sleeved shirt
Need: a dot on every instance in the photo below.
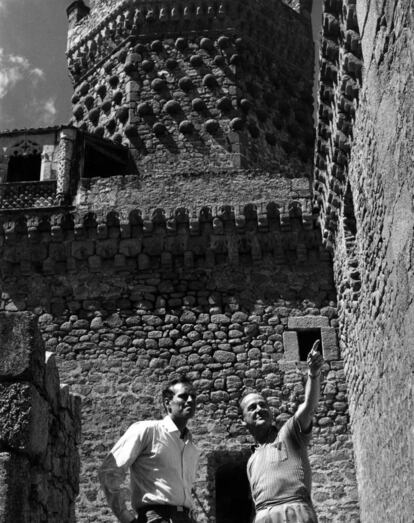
(162, 466)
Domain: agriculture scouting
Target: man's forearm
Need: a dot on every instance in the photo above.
(312, 390)
(307, 408)
(111, 479)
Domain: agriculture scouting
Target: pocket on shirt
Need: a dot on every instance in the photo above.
(280, 452)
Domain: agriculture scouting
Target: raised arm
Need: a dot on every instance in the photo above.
(306, 409)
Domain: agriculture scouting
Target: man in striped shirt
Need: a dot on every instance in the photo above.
(278, 470)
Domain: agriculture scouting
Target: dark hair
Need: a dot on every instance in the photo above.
(167, 392)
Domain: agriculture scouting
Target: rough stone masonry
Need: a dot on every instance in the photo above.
(39, 430)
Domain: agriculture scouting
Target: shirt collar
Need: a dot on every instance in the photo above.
(172, 427)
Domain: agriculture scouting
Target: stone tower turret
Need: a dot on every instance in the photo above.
(195, 85)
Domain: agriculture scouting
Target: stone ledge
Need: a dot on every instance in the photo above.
(307, 322)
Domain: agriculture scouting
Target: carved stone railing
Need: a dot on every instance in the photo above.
(23, 195)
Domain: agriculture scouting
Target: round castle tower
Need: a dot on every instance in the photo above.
(196, 86)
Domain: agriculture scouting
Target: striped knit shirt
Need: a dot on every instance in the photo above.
(279, 470)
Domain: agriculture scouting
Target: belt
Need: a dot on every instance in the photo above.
(168, 510)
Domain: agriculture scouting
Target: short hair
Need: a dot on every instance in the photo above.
(167, 393)
(244, 396)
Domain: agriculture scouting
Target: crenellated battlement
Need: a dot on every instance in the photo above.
(133, 239)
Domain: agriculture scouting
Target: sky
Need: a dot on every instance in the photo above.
(35, 88)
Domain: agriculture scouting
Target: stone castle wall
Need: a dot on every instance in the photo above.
(39, 429)
(369, 220)
(121, 321)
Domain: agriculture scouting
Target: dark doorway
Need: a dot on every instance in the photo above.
(233, 501)
(24, 168)
(306, 339)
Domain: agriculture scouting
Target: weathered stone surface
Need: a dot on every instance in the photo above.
(21, 348)
(24, 415)
(307, 322)
(330, 349)
(14, 488)
(291, 346)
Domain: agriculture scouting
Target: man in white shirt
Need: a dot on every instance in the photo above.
(162, 461)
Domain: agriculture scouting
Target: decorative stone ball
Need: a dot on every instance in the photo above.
(94, 115)
(172, 107)
(89, 101)
(131, 131)
(99, 131)
(245, 105)
(84, 88)
(158, 84)
(198, 104)
(106, 105)
(78, 111)
(114, 81)
(75, 98)
(148, 65)
(117, 138)
(159, 129)
(101, 90)
(144, 109)
(270, 138)
(122, 56)
(156, 46)
(212, 126)
(234, 59)
(111, 125)
(224, 104)
(117, 97)
(140, 49)
(210, 81)
(186, 127)
(185, 83)
(122, 114)
(181, 44)
(196, 60)
(171, 64)
(261, 115)
(237, 123)
(130, 68)
(219, 60)
(206, 44)
(223, 42)
(253, 130)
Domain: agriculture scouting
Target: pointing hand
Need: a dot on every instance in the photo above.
(315, 359)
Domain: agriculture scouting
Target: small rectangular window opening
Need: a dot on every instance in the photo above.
(306, 338)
